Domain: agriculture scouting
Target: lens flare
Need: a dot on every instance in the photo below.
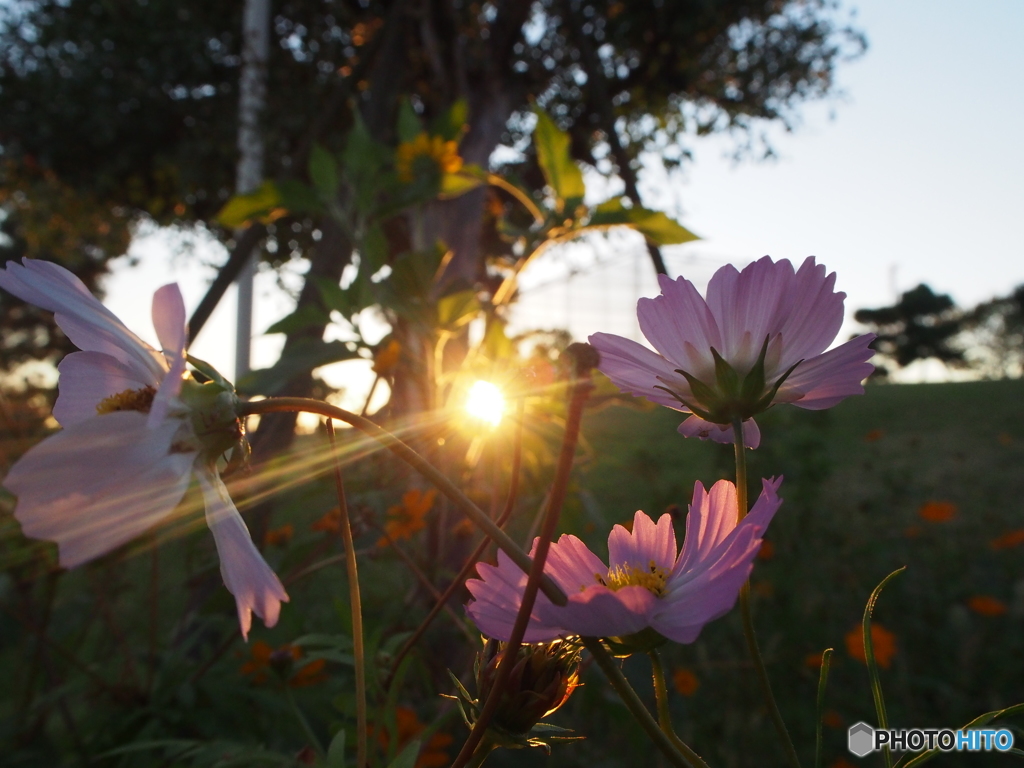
(485, 402)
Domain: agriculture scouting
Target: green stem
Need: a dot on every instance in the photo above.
(417, 462)
(664, 716)
(748, 620)
(358, 652)
(579, 393)
(826, 658)
(482, 753)
(636, 707)
(307, 730)
(460, 579)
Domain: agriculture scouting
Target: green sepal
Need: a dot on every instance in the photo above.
(725, 376)
(754, 382)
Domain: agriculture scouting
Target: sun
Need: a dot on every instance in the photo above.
(485, 402)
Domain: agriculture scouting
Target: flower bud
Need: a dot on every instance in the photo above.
(543, 677)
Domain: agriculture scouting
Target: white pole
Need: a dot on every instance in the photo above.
(252, 100)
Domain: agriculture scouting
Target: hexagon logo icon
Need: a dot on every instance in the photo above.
(860, 739)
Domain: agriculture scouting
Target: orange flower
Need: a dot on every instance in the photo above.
(310, 674)
(912, 531)
(813, 660)
(408, 517)
(685, 681)
(937, 511)
(263, 660)
(387, 358)
(842, 762)
(329, 523)
(433, 754)
(882, 641)
(278, 537)
(767, 551)
(986, 605)
(444, 154)
(832, 719)
(1004, 438)
(874, 435)
(1007, 540)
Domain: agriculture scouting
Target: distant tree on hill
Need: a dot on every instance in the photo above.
(988, 338)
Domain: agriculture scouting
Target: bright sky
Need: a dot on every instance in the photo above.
(918, 178)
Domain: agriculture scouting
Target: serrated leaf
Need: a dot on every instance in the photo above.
(654, 225)
(241, 209)
(560, 170)
(323, 170)
(409, 126)
(304, 316)
(457, 309)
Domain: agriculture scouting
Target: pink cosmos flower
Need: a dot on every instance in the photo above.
(646, 585)
(128, 448)
(759, 338)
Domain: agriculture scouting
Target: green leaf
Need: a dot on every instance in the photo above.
(910, 760)
(297, 197)
(409, 126)
(374, 251)
(560, 171)
(407, 757)
(496, 343)
(455, 184)
(303, 356)
(241, 209)
(457, 309)
(451, 124)
(334, 297)
(304, 316)
(323, 170)
(826, 659)
(336, 751)
(654, 225)
(869, 656)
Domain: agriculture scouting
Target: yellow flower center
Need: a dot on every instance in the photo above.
(129, 400)
(652, 578)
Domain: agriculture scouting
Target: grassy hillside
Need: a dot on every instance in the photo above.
(927, 476)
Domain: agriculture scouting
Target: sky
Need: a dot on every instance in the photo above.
(915, 175)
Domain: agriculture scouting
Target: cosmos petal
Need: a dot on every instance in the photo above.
(246, 574)
(99, 483)
(86, 378)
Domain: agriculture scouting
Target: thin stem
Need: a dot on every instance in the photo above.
(748, 620)
(369, 395)
(417, 462)
(826, 658)
(636, 707)
(482, 753)
(356, 604)
(579, 393)
(664, 716)
(154, 610)
(307, 729)
(428, 585)
(460, 579)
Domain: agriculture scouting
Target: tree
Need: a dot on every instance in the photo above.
(920, 325)
(132, 105)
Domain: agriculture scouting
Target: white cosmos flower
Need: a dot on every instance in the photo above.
(128, 448)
